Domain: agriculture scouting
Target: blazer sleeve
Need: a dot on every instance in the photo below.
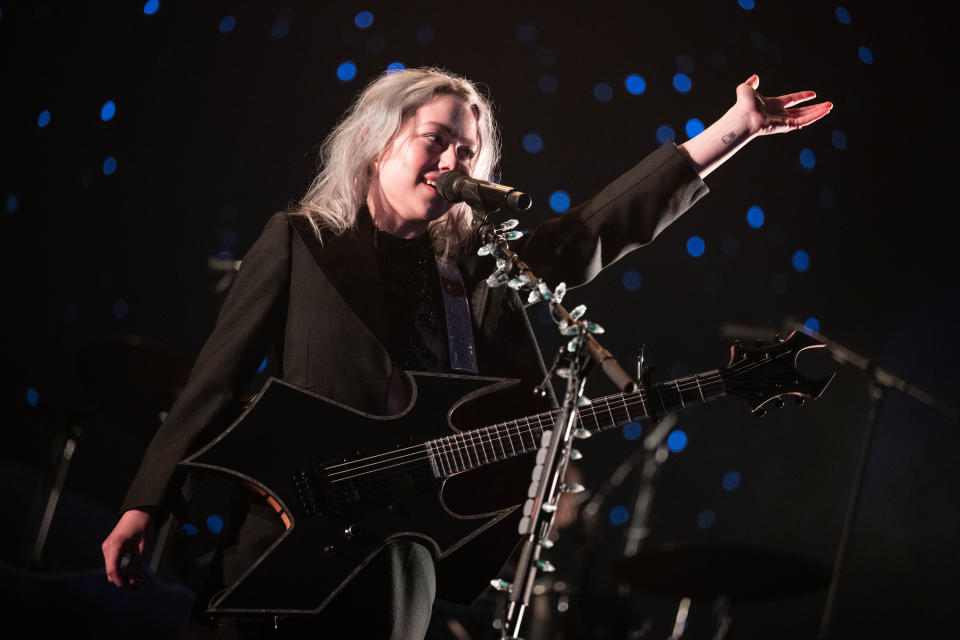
(627, 213)
(249, 320)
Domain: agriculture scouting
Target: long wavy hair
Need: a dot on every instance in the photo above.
(340, 188)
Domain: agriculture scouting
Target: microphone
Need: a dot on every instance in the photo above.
(456, 186)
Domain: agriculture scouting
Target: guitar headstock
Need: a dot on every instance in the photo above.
(764, 375)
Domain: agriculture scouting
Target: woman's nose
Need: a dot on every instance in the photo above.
(448, 159)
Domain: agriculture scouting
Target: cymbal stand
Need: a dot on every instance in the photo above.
(556, 447)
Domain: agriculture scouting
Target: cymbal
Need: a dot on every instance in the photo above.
(739, 573)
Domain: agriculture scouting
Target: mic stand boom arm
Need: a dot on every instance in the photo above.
(556, 447)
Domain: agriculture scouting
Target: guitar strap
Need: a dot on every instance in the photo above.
(463, 353)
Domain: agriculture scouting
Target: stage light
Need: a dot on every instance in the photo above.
(393, 67)
(109, 166)
(526, 32)
(866, 56)
(363, 19)
(280, 29)
(532, 143)
(632, 430)
(635, 84)
(151, 7)
(214, 523)
(684, 63)
(108, 110)
(263, 365)
(603, 92)
(694, 127)
(801, 260)
(706, 518)
(347, 71)
(696, 246)
(807, 159)
(189, 529)
(619, 515)
(812, 324)
(227, 24)
(746, 4)
(33, 397)
(665, 133)
(559, 201)
(682, 82)
(730, 246)
(43, 119)
(11, 203)
(120, 308)
(828, 198)
(843, 15)
(549, 83)
(632, 280)
(731, 480)
(839, 140)
(426, 35)
(755, 217)
(677, 441)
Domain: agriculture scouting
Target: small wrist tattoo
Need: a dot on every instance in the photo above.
(727, 139)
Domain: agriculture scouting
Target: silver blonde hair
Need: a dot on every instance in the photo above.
(368, 126)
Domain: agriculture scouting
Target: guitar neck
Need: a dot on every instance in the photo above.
(478, 447)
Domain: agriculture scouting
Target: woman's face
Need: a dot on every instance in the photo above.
(440, 136)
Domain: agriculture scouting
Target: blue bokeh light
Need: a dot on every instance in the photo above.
(635, 84)
(682, 82)
(665, 133)
(33, 397)
(549, 83)
(801, 260)
(812, 324)
(151, 7)
(263, 365)
(632, 430)
(347, 71)
(214, 523)
(696, 246)
(120, 308)
(363, 19)
(632, 280)
(227, 24)
(619, 515)
(746, 4)
(559, 201)
(603, 92)
(694, 127)
(706, 518)
(108, 110)
(109, 166)
(393, 67)
(189, 529)
(532, 143)
(807, 159)
(11, 203)
(677, 441)
(280, 29)
(43, 119)
(755, 217)
(866, 56)
(839, 140)
(731, 480)
(843, 15)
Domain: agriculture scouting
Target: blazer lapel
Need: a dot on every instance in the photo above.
(350, 264)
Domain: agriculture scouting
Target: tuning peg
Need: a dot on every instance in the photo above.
(799, 400)
(546, 566)
(778, 403)
(500, 585)
(760, 413)
(575, 454)
(573, 487)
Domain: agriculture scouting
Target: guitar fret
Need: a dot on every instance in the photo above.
(613, 420)
(470, 448)
(680, 393)
(500, 438)
(662, 403)
(696, 378)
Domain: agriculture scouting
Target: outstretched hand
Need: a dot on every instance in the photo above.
(777, 115)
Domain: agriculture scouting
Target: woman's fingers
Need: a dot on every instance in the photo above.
(753, 81)
(796, 98)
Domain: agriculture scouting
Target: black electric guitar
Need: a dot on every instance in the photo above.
(345, 483)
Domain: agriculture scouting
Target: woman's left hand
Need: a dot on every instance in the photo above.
(776, 115)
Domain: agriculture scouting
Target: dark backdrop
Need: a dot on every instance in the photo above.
(109, 293)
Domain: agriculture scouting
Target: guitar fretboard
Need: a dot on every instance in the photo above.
(471, 449)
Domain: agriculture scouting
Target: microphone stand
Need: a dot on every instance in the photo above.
(556, 447)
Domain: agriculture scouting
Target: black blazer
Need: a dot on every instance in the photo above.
(325, 315)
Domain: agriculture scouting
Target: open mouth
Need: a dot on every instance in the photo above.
(431, 184)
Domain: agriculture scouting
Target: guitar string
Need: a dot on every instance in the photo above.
(707, 378)
(471, 438)
(476, 438)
